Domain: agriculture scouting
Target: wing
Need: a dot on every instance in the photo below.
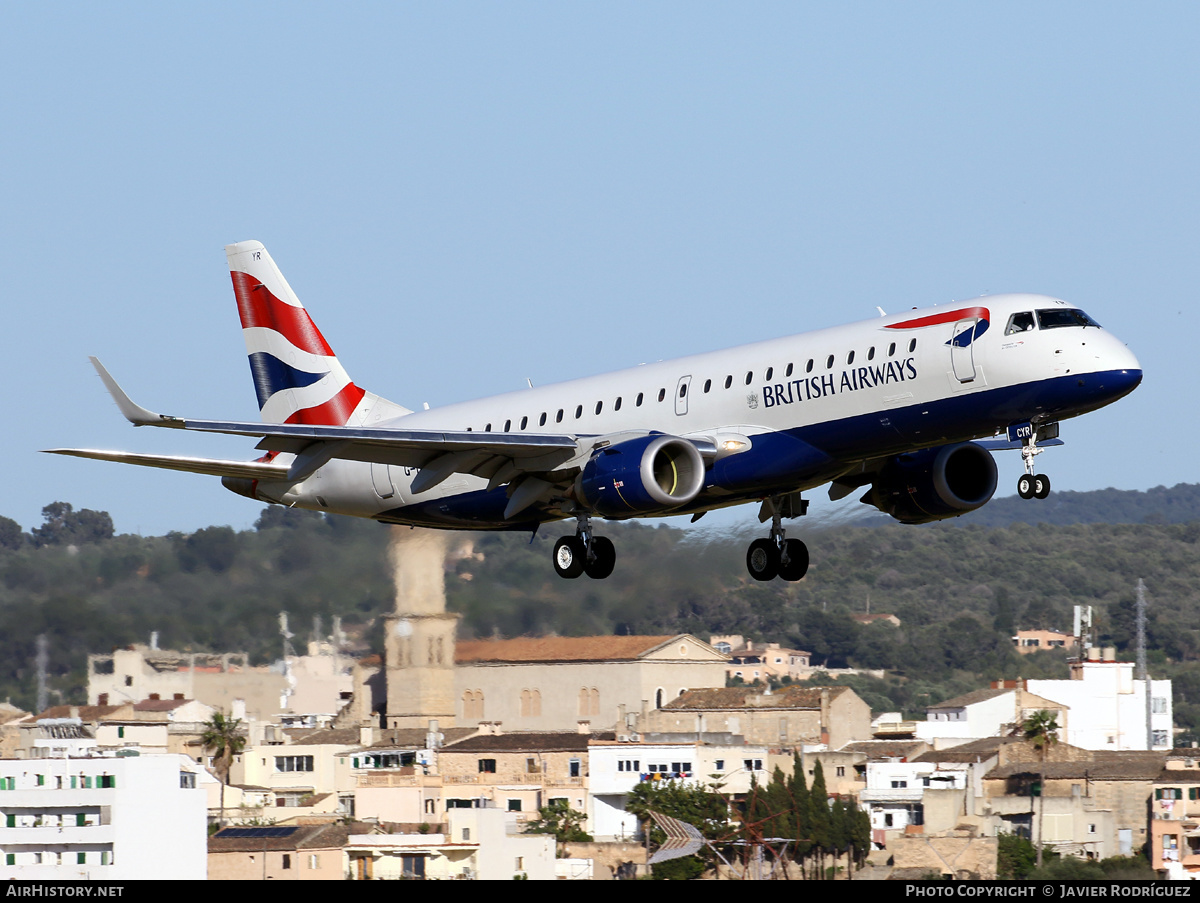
(498, 457)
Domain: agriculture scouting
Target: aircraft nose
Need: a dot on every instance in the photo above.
(1122, 371)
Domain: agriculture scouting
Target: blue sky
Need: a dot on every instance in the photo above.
(466, 195)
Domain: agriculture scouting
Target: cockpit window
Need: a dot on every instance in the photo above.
(1059, 316)
(1022, 322)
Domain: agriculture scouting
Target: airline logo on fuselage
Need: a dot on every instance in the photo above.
(850, 380)
(980, 315)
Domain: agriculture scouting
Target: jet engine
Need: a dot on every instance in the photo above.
(934, 483)
(641, 476)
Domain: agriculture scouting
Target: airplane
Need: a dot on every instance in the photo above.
(909, 406)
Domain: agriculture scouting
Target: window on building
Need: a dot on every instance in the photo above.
(187, 780)
(293, 763)
(575, 768)
(287, 860)
(487, 766)
(841, 771)
(514, 805)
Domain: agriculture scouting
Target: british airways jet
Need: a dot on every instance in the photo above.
(891, 404)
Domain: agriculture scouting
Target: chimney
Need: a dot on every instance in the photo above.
(583, 727)
(366, 735)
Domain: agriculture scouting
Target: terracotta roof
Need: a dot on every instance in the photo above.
(971, 698)
(974, 751)
(1101, 766)
(887, 749)
(791, 697)
(1178, 776)
(559, 649)
(558, 741)
(159, 705)
(83, 712)
(324, 736)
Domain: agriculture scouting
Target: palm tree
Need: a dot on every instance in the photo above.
(223, 735)
(1041, 730)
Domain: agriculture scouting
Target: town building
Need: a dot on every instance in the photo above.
(1028, 641)
(996, 711)
(1175, 817)
(280, 853)
(787, 717)
(616, 767)
(103, 819)
(557, 683)
(1108, 705)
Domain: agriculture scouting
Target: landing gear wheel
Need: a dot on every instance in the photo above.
(604, 558)
(793, 563)
(762, 559)
(570, 557)
(1025, 486)
(1041, 486)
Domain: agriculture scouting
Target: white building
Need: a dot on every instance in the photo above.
(615, 768)
(481, 843)
(102, 819)
(895, 791)
(994, 712)
(1108, 707)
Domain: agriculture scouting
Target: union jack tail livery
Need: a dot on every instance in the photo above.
(297, 377)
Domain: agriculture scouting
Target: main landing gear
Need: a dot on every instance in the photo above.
(1031, 485)
(584, 553)
(777, 556)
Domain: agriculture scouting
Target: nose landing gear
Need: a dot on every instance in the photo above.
(778, 556)
(1032, 485)
(584, 553)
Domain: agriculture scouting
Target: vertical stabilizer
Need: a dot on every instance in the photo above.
(297, 377)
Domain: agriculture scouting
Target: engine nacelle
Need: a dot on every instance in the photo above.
(935, 483)
(641, 476)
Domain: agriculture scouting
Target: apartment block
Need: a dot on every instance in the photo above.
(102, 819)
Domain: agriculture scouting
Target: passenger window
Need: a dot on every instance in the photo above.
(728, 381)
(617, 404)
(578, 411)
(524, 422)
(662, 394)
(789, 370)
(892, 350)
(683, 390)
(507, 425)
(707, 385)
(599, 407)
(871, 353)
(829, 363)
(1022, 322)
(912, 346)
(749, 377)
(639, 399)
(808, 367)
(542, 421)
(488, 428)
(850, 358)
(770, 370)
(558, 416)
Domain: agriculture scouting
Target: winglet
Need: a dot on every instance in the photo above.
(134, 413)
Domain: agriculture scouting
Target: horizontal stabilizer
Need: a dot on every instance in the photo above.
(251, 470)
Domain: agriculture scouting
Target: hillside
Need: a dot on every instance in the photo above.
(959, 588)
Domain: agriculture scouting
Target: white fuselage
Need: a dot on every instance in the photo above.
(856, 392)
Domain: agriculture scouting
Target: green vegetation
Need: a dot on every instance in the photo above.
(562, 821)
(959, 590)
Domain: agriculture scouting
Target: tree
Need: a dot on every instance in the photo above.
(562, 821)
(11, 536)
(65, 526)
(224, 736)
(1041, 731)
(697, 804)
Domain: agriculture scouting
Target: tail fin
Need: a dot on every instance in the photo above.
(296, 374)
